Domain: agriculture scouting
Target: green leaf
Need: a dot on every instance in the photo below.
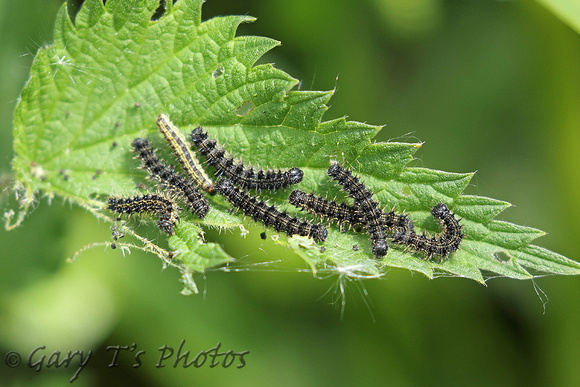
(108, 75)
(194, 255)
(192, 252)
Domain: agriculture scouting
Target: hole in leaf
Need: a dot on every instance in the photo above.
(244, 109)
(160, 11)
(502, 256)
(218, 72)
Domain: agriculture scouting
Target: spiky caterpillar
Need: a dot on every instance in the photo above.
(400, 227)
(342, 212)
(188, 161)
(373, 221)
(167, 177)
(150, 203)
(269, 215)
(240, 175)
(328, 209)
(443, 244)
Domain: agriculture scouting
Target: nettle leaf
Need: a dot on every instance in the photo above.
(108, 75)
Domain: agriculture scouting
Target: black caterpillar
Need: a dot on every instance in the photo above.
(400, 227)
(152, 204)
(442, 245)
(237, 173)
(167, 177)
(269, 215)
(329, 209)
(342, 212)
(373, 221)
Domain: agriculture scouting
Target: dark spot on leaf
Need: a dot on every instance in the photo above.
(263, 235)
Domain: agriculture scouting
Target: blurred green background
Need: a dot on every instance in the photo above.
(488, 86)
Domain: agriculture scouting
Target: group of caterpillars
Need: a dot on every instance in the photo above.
(235, 180)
